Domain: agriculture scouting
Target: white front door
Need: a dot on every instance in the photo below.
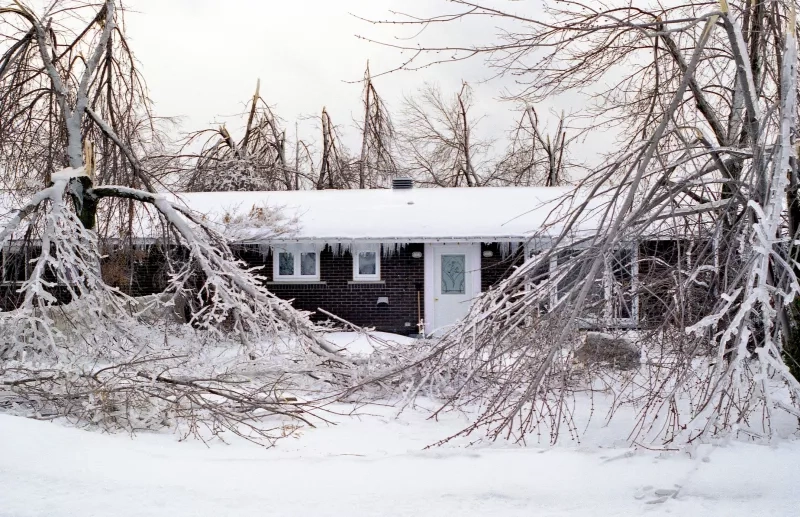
(455, 282)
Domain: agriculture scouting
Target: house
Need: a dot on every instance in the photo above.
(404, 260)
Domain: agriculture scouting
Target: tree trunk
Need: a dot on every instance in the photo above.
(80, 190)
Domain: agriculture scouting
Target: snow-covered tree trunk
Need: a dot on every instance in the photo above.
(76, 347)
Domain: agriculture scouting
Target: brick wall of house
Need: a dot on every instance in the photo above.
(402, 277)
(17, 269)
(9, 298)
(402, 280)
(150, 273)
(497, 267)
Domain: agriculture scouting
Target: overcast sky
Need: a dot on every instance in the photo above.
(202, 58)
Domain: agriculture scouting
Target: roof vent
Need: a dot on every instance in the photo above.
(402, 184)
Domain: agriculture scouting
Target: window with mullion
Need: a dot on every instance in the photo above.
(295, 263)
(612, 296)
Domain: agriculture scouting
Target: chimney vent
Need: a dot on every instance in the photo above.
(402, 184)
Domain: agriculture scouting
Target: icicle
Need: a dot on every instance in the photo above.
(343, 248)
(507, 249)
(391, 249)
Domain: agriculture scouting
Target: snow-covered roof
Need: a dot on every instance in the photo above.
(504, 214)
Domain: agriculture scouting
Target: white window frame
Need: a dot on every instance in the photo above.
(295, 250)
(362, 248)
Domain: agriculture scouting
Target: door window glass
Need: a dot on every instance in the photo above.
(453, 274)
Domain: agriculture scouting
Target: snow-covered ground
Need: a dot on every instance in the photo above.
(375, 465)
(363, 343)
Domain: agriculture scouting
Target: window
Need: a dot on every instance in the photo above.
(612, 296)
(296, 263)
(367, 263)
(574, 266)
(13, 267)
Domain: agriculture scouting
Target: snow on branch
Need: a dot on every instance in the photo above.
(77, 347)
(693, 264)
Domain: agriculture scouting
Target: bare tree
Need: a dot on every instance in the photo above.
(76, 347)
(706, 97)
(38, 98)
(337, 170)
(79, 84)
(437, 140)
(256, 161)
(533, 157)
(304, 168)
(377, 164)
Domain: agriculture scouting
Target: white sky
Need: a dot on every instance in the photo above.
(202, 58)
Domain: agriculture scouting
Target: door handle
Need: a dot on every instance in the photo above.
(436, 299)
